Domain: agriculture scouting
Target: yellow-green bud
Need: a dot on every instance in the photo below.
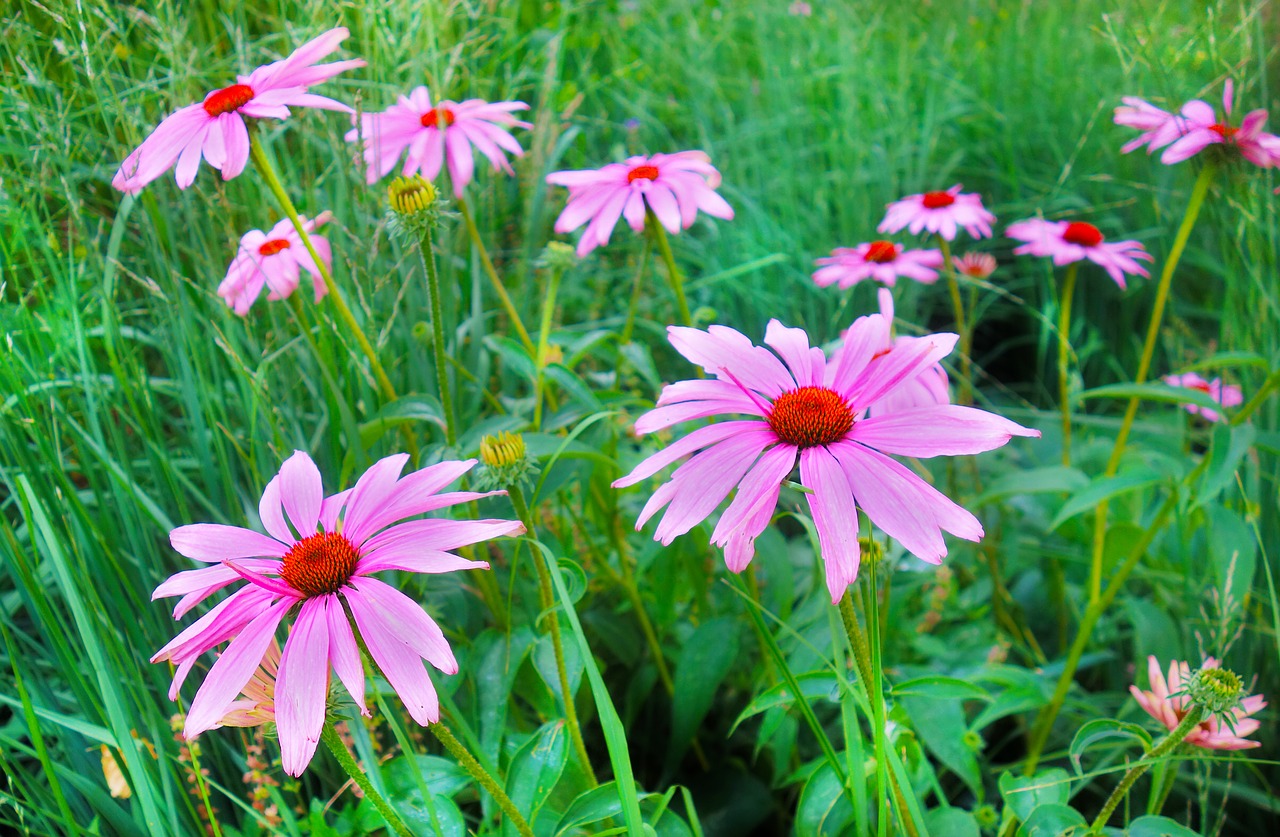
(410, 195)
(1216, 690)
(558, 255)
(506, 462)
(870, 549)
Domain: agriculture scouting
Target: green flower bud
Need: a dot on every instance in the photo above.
(505, 462)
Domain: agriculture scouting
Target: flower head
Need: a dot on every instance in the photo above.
(438, 134)
(215, 129)
(1168, 702)
(803, 407)
(943, 213)
(673, 186)
(1228, 395)
(1066, 242)
(321, 572)
(882, 261)
(975, 265)
(276, 259)
(1201, 129)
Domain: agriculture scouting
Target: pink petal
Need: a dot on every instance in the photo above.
(440, 534)
(752, 507)
(834, 515)
(419, 630)
(792, 344)
(706, 479)
(727, 353)
(302, 684)
(937, 431)
(372, 492)
(302, 492)
(412, 558)
(700, 438)
(344, 654)
(236, 138)
(214, 542)
(390, 649)
(158, 152)
(271, 513)
(903, 363)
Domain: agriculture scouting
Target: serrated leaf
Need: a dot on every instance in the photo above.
(1106, 729)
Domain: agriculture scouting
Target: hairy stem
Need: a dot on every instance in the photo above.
(1064, 355)
(331, 740)
(486, 780)
(427, 253)
(1189, 722)
(962, 323)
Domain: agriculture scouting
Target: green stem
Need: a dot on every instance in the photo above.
(544, 332)
(1168, 776)
(632, 593)
(330, 737)
(636, 285)
(547, 600)
(489, 270)
(1189, 722)
(486, 780)
(428, 256)
(875, 692)
(962, 324)
(1064, 355)
(673, 273)
(1198, 192)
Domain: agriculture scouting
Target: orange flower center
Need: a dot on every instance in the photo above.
(1201, 387)
(1223, 130)
(810, 416)
(320, 564)
(437, 118)
(275, 245)
(881, 252)
(645, 172)
(1086, 235)
(228, 99)
(937, 200)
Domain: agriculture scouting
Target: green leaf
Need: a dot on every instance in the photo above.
(534, 771)
(573, 385)
(513, 355)
(824, 808)
(1105, 488)
(1053, 479)
(1053, 820)
(813, 685)
(1233, 547)
(444, 777)
(705, 660)
(1154, 392)
(951, 822)
(1230, 444)
(941, 688)
(1106, 729)
(1153, 826)
(591, 807)
(941, 725)
(1023, 794)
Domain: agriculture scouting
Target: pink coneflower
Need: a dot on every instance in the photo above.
(942, 213)
(674, 186)
(1169, 709)
(1202, 129)
(809, 409)
(975, 265)
(1228, 395)
(275, 259)
(215, 129)
(882, 261)
(1158, 127)
(436, 134)
(1068, 242)
(928, 389)
(257, 702)
(324, 570)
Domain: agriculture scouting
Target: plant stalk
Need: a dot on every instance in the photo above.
(427, 254)
(1064, 355)
(544, 332)
(474, 232)
(673, 273)
(331, 740)
(962, 323)
(1189, 722)
(486, 780)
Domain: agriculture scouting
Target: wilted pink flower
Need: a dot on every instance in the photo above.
(1202, 129)
(811, 409)
(1169, 709)
(976, 265)
(941, 213)
(1228, 395)
(928, 389)
(1158, 127)
(674, 186)
(882, 261)
(342, 541)
(436, 134)
(277, 260)
(257, 702)
(215, 129)
(1068, 242)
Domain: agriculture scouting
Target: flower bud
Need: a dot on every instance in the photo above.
(1216, 690)
(414, 208)
(505, 460)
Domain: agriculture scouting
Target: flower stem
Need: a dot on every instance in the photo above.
(330, 737)
(428, 256)
(1064, 354)
(673, 273)
(486, 780)
(544, 331)
(636, 285)
(489, 270)
(962, 324)
(547, 601)
(1193, 717)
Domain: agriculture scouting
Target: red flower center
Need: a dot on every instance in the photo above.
(320, 564)
(881, 252)
(228, 99)
(1201, 387)
(1086, 235)
(1223, 130)
(438, 117)
(937, 200)
(810, 416)
(645, 172)
(275, 245)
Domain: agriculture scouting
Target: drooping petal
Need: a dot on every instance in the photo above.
(952, 431)
(396, 659)
(834, 515)
(271, 512)
(698, 439)
(440, 534)
(344, 654)
(302, 684)
(752, 507)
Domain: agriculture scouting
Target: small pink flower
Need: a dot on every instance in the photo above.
(941, 213)
(811, 410)
(976, 265)
(1202, 129)
(436, 134)
(1169, 709)
(215, 129)
(882, 261)
(1068, 242)
(322, 572)
(1158, 127)
(928, 389)
(1228, 395)
(674, 186)
(275, 259)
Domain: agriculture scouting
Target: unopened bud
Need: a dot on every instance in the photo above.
(506, 462)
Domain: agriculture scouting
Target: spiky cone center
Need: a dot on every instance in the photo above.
(275, 245)
(320, 564)
(937, 200)
(645, 172)
(411, 195)
(1216, 690)
(503, 450)
(439, 117)
(809, 417)
(1085, 235)
(228, 99)
(881, 252)
(1227, 132)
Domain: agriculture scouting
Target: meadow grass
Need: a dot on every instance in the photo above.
(134, 401)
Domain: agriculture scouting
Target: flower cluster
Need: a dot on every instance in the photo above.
(1197, 127)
